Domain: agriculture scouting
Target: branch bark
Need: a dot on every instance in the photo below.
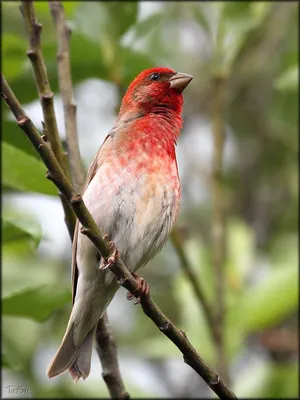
(105, 344)
(218, 220)
(107, 352)
(63, 33)
(46, 96)
(124, 277)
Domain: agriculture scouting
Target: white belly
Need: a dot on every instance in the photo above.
(136, 213)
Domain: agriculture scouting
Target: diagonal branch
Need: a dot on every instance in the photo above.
(46, 96)
(65, 84)
(124, 277)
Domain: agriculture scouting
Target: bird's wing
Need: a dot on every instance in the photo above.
(90, 175)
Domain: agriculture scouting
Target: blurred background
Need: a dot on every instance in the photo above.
(244, 59)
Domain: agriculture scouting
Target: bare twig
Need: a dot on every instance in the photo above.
(195, 284)
(65, 84)
(105, 344)
(124, 277)
(107, 351)
(218, 221)
(46, 96)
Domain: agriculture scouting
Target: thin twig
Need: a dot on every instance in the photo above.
(218, 220)
(46, 96)
(63, 33)
(124, 277)
(107, 351)
(195, 284)
(105, 344)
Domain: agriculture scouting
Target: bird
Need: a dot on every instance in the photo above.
(132, 191)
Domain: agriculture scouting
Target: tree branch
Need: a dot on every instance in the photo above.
(107, 352)
(218, 219)
(46, 96)
(65, 84)
(124, 277)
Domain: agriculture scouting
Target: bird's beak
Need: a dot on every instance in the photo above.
(180, 80)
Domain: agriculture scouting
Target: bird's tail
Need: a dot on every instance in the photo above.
(75, 359)
(75, 352)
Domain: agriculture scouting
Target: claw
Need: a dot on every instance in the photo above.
(112, 259)
(144, 289)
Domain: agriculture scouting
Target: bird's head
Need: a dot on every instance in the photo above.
(155, 90)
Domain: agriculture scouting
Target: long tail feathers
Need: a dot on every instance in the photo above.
(75, 359)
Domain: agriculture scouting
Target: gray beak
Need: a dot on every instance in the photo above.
(180, 80)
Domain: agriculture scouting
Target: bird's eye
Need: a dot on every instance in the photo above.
(155, 77)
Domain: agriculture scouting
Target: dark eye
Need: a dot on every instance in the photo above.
(155, 76)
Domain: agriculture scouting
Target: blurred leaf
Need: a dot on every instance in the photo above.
(289, 80)
(36, 303)
(23, 172)
(21, 338)
(148, 25)
(16, 226)
(14, 136)
(198, 12)
(266, 380)
(105, 18)
(193, 319)
(132, 63)
(23, 267)
(12, 20)
(274, 298)
(11, 358)
(42, 7)
(260, 9)
(282, 382)
(13, 50)
(241, 252)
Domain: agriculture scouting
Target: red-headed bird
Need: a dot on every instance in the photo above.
(132, 191)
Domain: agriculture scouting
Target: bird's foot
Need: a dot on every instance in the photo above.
(144, 289)
(113, 258)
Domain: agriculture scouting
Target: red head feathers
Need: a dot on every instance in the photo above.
(155, 90)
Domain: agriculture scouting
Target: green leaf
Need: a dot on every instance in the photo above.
(24, 172)
(274, 298)
(15, 226)
(36, 303)
(14, 136)
(13, 51)
(288, 80)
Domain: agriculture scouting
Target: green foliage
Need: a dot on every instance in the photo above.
(36, 303)
(289, 79)
(21, 171)
(16, 226)
(278, 291)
